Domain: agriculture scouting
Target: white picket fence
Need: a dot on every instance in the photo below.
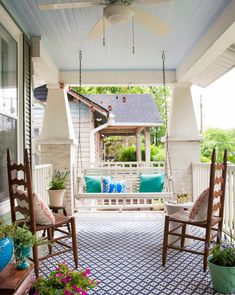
(201, 172)
(41, 178)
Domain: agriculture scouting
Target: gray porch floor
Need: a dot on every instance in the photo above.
(123, 251)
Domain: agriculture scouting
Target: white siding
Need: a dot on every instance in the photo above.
(85, 129)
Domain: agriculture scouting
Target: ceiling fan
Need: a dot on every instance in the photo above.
(116, 12)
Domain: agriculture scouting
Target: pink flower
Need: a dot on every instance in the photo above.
(67, 292)
(84, 292)
(58, 275)
(86, 272)
(76, 289)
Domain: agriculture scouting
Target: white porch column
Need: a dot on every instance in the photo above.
(138, 146)
(57, 138)
(147, 144)
(183, 137)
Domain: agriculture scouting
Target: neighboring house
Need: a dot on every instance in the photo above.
(96, 116)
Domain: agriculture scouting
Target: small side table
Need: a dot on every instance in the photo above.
(171, 209)
(14, 281)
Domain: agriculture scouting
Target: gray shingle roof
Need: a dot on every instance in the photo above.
(138, 108)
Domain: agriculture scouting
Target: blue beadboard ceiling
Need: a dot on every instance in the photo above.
(64, 33)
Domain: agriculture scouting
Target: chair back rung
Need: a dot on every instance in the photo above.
(17, 167)
(216, 207)
(219, 180)
(219, 166)
(21, 197)
(19, 182)
(23, 211)
(218, 193)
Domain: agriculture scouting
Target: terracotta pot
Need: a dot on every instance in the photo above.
(56, 197)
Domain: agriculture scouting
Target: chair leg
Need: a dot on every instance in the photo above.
(74, 241)
(49, 236)
(206, 249)
(219, 233)
(183, 238)
(165, 240)
(35, 260)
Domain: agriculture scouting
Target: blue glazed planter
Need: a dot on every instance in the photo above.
(6, 248)
(21, 255)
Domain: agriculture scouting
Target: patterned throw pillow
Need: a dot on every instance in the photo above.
(199, 209)
(110, 186)
(43, 214)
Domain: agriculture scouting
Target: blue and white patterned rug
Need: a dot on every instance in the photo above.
(124, 253)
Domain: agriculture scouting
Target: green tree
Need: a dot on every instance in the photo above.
(221, 139)
(162, 103)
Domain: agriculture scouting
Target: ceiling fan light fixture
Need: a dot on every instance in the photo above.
(118, 14)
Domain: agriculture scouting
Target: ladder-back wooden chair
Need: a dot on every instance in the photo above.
(19, 175)
(214, 217)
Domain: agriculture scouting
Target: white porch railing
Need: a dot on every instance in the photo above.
(201, 172)
(41, 178)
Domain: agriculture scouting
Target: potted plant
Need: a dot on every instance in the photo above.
(64, 281)
(222, 266)
(22, 240)
(6, 246)
(57, 188)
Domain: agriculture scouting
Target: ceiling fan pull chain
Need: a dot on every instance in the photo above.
(133, 36)
(103, 29)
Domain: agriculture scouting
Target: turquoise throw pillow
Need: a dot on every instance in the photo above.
(93, 184)
(152, 183)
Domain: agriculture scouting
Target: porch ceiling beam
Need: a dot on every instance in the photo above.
(117, 77)
(217, 39)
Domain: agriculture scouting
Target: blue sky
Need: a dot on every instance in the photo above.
(218, 101)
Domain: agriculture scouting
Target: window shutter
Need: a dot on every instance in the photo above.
(27, 98)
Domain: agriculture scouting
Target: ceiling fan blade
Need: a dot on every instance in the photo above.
(69, 5)
(97, 30)
(151, 22)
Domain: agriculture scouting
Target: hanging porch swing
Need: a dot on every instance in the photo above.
(131, 174)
